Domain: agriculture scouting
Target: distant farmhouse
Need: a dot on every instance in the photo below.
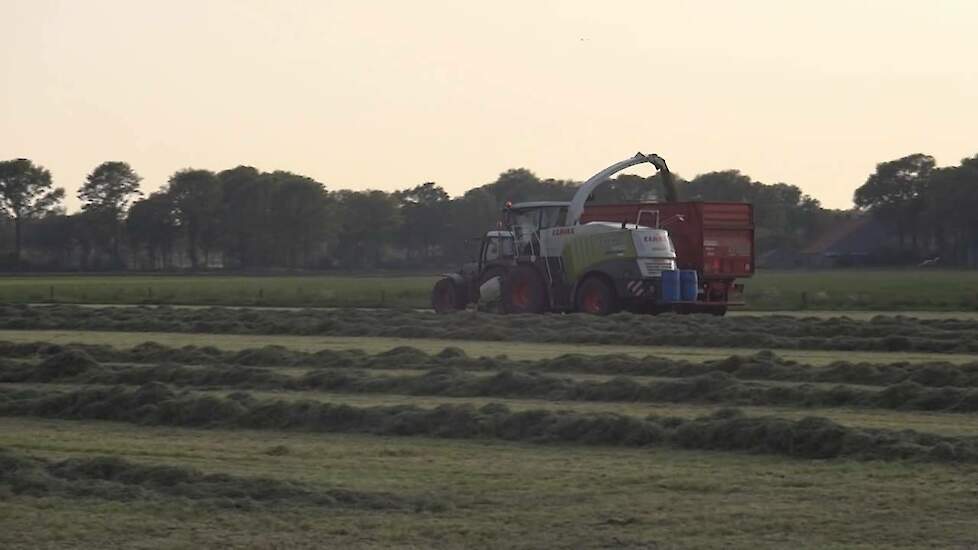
(859, 240)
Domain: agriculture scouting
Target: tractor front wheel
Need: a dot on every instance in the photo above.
(523, 291)
(595, 296)
(446, 297)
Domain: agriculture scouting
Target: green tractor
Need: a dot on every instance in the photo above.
(544, 259)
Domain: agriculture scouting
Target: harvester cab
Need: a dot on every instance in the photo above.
(545, 258)
(526, 220)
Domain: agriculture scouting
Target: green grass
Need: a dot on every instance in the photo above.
(514, 350)
(859, 315)
(950, 424)
(294, 291)
(857, 289)
(493, 493)
(896, 290)
(498, 495)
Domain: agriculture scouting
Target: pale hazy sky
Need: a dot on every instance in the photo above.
(389, 94)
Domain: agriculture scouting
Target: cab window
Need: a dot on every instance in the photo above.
(498, 247)
(492, 249)
(525, 222)
(553, 217)
(506, 248)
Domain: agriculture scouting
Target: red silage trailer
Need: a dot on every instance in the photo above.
(714, 238)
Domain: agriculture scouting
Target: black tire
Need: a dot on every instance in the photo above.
(523, 291)
(446, 297)
(596, 297)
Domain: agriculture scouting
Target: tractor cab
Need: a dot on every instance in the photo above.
(497, 247)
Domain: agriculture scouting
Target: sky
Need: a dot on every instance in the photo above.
(387, 94)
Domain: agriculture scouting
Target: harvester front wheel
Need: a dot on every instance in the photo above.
(446, 297)
(523, 291)
(595, 296)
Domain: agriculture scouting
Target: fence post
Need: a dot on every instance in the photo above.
(51, 293)
(804, 300)
(382, 298)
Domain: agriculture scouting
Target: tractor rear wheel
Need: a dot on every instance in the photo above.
(523, 291)
(446, 297)
(595, 296)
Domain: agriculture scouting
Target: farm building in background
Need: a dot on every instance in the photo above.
(865, 240)
(860, 240)
(855, 240)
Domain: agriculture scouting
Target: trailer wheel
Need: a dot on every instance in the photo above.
(446, 297)
(523, 291)
(595, 296)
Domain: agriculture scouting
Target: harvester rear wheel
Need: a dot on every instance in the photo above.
(595, 296)
(446, 297)
(523, 291)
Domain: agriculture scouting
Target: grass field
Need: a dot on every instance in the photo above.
(515, 350)
(500, 495)
(296, 291)
(224, 445)
(864, 289)
(770, 290)
(938, 423)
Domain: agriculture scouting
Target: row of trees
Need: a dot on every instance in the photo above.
(934, 211)
(243, 218)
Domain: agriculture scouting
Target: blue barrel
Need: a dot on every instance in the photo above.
(689, 285)
(670, 286)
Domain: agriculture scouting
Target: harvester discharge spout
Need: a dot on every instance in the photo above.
(584, 191)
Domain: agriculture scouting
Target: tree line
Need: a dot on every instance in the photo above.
(933, 211)
(243, 218)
